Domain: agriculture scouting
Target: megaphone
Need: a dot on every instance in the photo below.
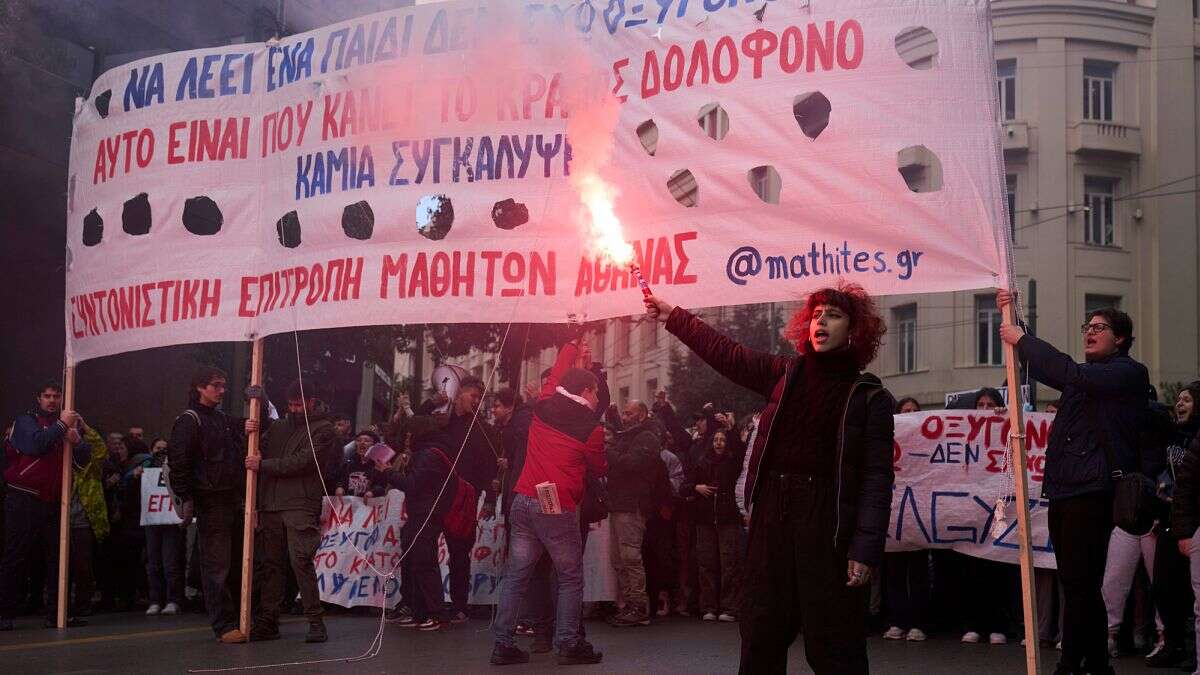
(446, 379)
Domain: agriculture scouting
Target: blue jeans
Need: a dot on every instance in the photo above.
(530, 532)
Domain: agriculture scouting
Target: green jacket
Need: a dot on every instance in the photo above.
(87, 485)
(288, 478)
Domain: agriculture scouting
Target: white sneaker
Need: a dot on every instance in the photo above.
(171, 609)
(153, 610)
(916, 635)
(894, 633)
(709, 616)
(971, 637)
(998, 639)
(726, 617)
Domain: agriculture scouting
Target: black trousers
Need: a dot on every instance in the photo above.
(794, 579)
(283, 540)
(30, 527)
(1080, 528)
(459, 553)
(219, 540)
(1172, 590)
(658, 552)
(906, 588)
(83, 579)
(420, 574)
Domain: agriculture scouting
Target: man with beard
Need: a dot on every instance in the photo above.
(637, 485)
(290, 491)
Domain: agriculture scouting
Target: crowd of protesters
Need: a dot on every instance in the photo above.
(678, 491)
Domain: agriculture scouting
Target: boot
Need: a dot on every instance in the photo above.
(503, 655)
(316, 632)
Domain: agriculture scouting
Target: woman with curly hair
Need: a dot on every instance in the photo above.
(820, 478)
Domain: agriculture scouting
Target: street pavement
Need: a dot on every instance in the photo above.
(132, 643)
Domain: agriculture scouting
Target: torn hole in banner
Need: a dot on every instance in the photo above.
(811, 110)
(918, 47)
(920, 168)
(766, 183)
(684, 188)
(135, 216)
(435, 216)
(288, 230)
(647, 133)
(509, 214)
(713, 120)
(202, 216)
(93, 228)
(358, 220)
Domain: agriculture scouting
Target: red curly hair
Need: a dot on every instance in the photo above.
(866, 326)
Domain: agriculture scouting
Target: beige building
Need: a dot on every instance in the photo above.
(1099, 103)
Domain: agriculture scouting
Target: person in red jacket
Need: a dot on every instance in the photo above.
(565, 443)
(33, 457)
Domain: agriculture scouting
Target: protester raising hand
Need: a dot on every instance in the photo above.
(657, 308)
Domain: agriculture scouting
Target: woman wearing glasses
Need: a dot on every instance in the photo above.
(1103, 409)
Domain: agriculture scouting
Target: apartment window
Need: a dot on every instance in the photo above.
(623, 329)
(905, 321)
(1098, 90)
(1010, 189)
(1098, 218)
(1092, 303)
(624, 395)
(598, 346)
(651, 388)
(649, 334)
(1006, 88)
(988, 350)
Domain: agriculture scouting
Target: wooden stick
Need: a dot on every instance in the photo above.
(64, 516)
(256, 370)
(1016, 437)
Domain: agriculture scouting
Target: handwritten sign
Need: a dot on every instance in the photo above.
(360, 546)
(950, 470)
(157, 508)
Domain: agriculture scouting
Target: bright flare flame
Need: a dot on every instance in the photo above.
(597, 196)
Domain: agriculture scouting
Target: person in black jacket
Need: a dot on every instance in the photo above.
(1173, 596)
(1185, 502)
(206, 453)
(1103, 410)
(429, 491)
(635, 475)
(718, 528)
(820, 478)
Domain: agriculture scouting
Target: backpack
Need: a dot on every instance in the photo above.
(460, 520)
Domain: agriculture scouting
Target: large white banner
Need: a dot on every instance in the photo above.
(950, 471)
(360, 546)
(239, 191)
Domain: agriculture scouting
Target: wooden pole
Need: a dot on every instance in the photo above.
(64, 516)
(1016, 438)
(256, 370)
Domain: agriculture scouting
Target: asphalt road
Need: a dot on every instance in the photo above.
(131, 643)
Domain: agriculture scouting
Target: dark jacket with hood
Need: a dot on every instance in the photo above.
(637, 476)
(288, 479)
(422, 481)
(1103, 402)
(514, 437)
(206, 453)
(864, 473)
(719, 471)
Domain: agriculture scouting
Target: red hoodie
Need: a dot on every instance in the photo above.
(565, 440)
